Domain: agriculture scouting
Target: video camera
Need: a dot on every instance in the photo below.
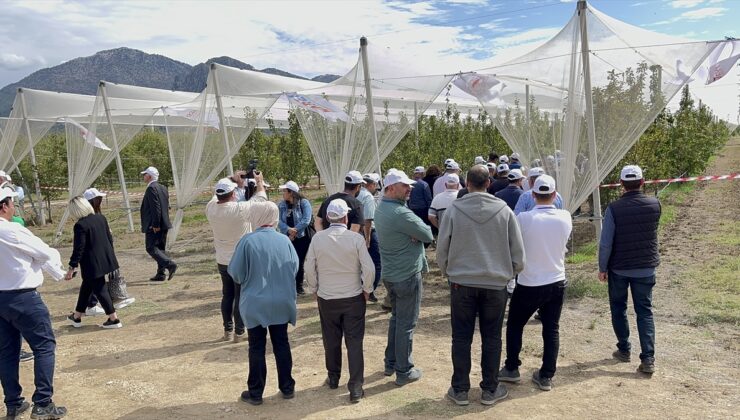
(251, 171)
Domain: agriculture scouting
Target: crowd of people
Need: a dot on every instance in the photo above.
(499, 238)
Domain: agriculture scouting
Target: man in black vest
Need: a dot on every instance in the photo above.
(628, 256)
(155, 222)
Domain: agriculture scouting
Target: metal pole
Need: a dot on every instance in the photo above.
(41, 216)
(416, 121)
(369, 98)
(220, 110)
(119, 165)
(526, 119)
(590, 124)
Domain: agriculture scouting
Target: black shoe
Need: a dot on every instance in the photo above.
(17, 411)
(509, 375)
(356, 395)
(50, 412)
(491, 398)
(647, 366)
(332, 383)
(542, 383)
(288, 395)
(158, 277)
(300, 291)
(458, 397)
(75, 322)
(26, 356)
(247, 398)
(372, 298)
(112, 325)
(622, 356)
(172, 269)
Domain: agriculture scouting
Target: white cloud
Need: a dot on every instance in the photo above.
(684, 4)
(469, 2)
(703, 13)
(10, 61)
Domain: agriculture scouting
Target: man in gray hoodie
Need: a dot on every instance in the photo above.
(478, 274)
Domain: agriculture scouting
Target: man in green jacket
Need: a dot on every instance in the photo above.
(401, 235)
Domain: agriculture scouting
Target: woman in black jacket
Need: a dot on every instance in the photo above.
(93, 253)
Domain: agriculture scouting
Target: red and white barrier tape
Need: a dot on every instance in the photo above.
(689, 179)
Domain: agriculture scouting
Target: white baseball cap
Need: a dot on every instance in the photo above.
(7, 192)
(290, 185)
(452, 179)
(545, 184)
(515, 174)
(7, 177)
(151, 171)
(502, 168)
(337, 208)
(479, 160)
(452, 165)
(419, 170)
(91, 193)
(631, 173)
(371, 177)
(491, 165)
(3, 174)
(535, 172)
(448, 160)
(515, 156)
(224, 186)
(503, 159)
(354, 177)
(394, 176)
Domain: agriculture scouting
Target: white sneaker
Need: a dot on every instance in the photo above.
(124, 303)
(94, 311)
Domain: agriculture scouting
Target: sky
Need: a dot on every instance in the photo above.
(317, 37)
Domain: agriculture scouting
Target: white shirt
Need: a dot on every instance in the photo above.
(229, 222)
(439, 185)
(441, 202)
(545, 232)
(338, 265)
(23, 256)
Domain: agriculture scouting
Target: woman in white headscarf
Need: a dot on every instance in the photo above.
(265, 264)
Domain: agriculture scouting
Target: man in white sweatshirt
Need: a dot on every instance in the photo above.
(478, 274)
(541, 286)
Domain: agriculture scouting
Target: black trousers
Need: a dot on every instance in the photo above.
(155, 244)
(230, 292)
(100, 289)
(301, 248)
(525, 301)
(258, 367)
(344, 317)
(489, 306)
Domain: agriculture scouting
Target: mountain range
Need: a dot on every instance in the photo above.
(131, 67)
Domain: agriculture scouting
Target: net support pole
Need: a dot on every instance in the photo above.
(369, 99)
(526, 118)
(176, 180)
(590, 124)
(34, 168)
(416, 122)
(119, 165)
(222, 120)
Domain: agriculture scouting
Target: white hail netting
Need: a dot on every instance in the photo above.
(538, 100)
(199, 146)
(343, 139)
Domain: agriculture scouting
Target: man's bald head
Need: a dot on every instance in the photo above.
(478, 179)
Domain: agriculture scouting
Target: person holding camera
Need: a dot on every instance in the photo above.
(295, 216)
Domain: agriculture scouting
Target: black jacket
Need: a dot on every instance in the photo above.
(93, 247)
(635, 245)
(155, 208)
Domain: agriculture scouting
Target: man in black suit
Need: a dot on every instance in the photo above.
(155, 222)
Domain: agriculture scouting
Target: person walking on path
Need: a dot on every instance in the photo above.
(340, 272)
(295, 216)
(541, 285)
(401, 235)
(628, 257)
(155, 222)
(478, 274)
(23, 313)
(264, 264)
(369, 204)
(230, 220)
(511, 193)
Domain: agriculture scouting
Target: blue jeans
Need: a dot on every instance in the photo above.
(467, 304)
(642, 299)
(406, 300)
(25, 314)
(374, 251)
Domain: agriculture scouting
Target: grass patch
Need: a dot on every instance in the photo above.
(580, 286)
(727, 234)
(715, 291)
(584, 253)
(671, 198)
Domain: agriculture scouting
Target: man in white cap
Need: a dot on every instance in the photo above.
(511, 193)
(340, 272)
(442, 201)
(526, 200)
(515, 162)
(503, 159)
(479, 160)
(421, 195)
(402, 235)
(450, 168)
(541, 285)
(23, 313)
(230, 219)
(478, 274)
(369, 204)
(155, 223)
(502, 180)
(352, 183)
(628, 257)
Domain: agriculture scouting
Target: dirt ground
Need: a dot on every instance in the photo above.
(168, 360)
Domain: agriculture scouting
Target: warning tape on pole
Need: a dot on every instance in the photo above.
(688, 179)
